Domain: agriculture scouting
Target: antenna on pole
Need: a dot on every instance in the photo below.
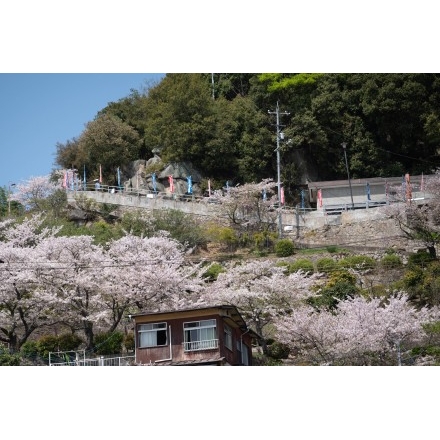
(280, 136)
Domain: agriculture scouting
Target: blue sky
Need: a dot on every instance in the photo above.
(39, 110)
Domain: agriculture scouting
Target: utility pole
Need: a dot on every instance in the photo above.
(279, 137)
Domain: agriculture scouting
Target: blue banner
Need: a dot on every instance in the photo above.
(153, 178)
(190, 187)
(368, 192)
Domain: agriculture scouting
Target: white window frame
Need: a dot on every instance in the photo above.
(200, 335)
(148, 334)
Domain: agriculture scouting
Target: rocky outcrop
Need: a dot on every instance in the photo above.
(141, 176)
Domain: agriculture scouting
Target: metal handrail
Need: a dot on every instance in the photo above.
(201, 345)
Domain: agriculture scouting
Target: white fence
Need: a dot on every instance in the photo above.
(123, 361)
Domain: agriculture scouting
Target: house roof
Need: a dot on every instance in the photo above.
(229, 312)
(362, 182)
(213, 360)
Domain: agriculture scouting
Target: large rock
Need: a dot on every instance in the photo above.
(141, 176)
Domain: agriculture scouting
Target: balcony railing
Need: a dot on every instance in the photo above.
(201, 345)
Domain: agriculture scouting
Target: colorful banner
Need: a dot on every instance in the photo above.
(282, 195)
(100, 174)
(319, 195)
(119, 178)
(84, 179)
(408, 188)
(64, 184)
(190, 187)
(368, 192)
(170, 179)
(153, 179)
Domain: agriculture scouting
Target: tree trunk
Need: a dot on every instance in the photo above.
(88, 331)
(432, 252)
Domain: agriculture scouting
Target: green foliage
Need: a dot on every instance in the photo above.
(52, 343)
(284, 248)
(332, 249)
(129, 342)
(182, 227)
(8, 359)
(213, 271)
(109, 343)
(264, 240)
(326, 265)
(302, 264)
(413, 277)
(47, 344)
(391, 261)
(358, 262)
(138, 223)
(69, 341)
(29, 349)
(341, 285)
(277, 350)
(103, 232)
(421, 258)
(423, 283)
(222, 235)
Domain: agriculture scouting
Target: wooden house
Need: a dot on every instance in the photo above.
(215, 335)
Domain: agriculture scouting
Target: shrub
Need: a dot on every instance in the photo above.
(362, 262)
(391, 261)
(332, 249)
(69, 342)
(109, 343)
(284, 248)
(277, 350)
(8, 359)
(303, 265)
(212, 272)
(129, 341)
(326, 265)
(421, 258)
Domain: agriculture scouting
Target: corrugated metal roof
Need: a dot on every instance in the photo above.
(362, 182)
(190, 362)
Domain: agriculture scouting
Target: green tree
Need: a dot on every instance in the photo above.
(111, 143)
(180, 118)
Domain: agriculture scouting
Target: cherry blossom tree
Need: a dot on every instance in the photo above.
(32, 193)
(249, 205)
(24, 305)
(148, 274)
(420, 221)
(71, 270)
(260, 290)
(362, 331)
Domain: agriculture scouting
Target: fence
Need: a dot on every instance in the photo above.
(122, 361)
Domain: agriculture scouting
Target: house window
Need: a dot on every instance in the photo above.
(200, 335)
(243, 352)
(152, 335)
(228, 337)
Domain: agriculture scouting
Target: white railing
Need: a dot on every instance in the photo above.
(201, 345)
(97, 362)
